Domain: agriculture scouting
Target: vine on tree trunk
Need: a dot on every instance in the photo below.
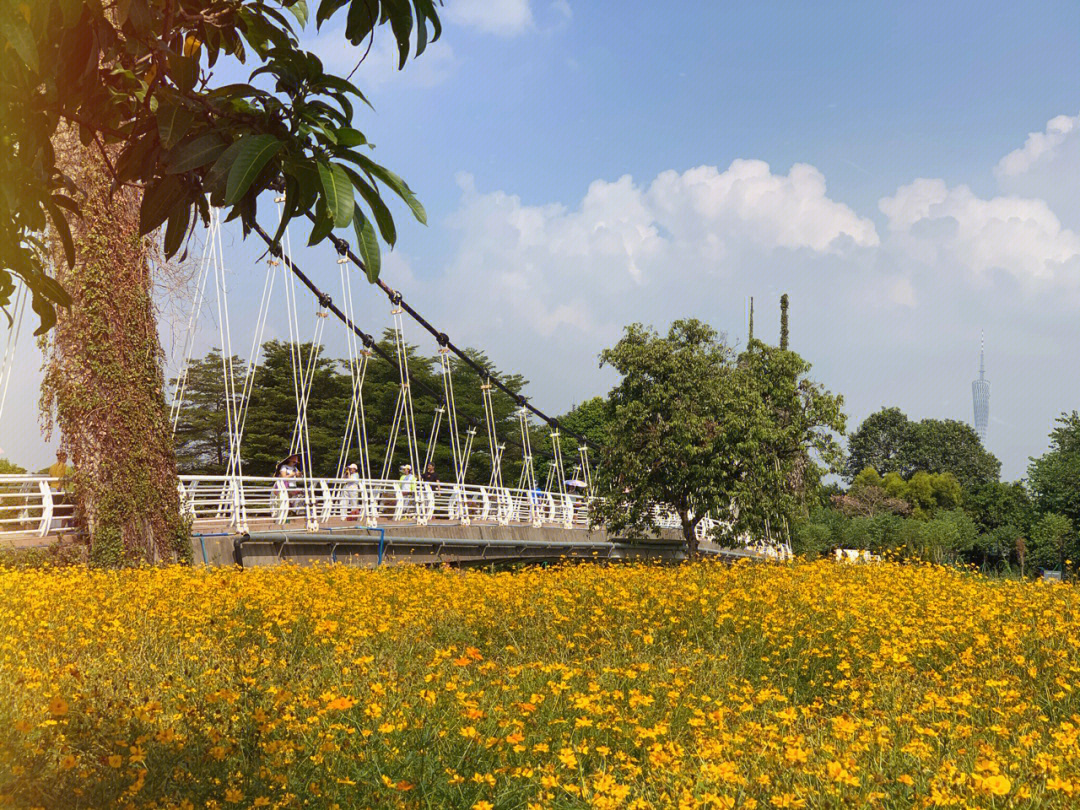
(104, 383)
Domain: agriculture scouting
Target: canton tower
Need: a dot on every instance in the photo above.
(980, 395)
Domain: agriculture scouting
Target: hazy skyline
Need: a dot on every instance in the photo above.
(907, 174)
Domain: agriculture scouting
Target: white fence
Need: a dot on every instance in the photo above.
(38, 505)
(35, 505)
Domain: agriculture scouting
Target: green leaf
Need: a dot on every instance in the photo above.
(338, 190)
(328, 7)
(16, 30)
(52, 289)
(178, 225)
(60, 225)
(299, 10)
(347, 136)
(401, 22)
(173, 120)
(45, 312)
(360, 20)
(324, 224)
(194, 154)
(252, 154)
(383, 218)
(396, 183)
(367, 244)
(158, 200)
(184, 70)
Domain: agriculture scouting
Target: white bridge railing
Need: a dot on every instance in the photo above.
(38, 505)
(370, 502)
(33, 504)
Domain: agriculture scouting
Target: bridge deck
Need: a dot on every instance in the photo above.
(254, 521)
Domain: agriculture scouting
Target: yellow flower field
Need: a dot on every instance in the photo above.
(804, 685)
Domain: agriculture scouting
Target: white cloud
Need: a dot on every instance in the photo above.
(574, 275)
(1047, 167)
(499, 17)
(952, 227)
(749, 201)
(1039, 146)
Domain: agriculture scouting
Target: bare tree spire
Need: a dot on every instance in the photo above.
(783, 322)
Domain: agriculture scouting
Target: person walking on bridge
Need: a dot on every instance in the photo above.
(408, 489)
(352, 492)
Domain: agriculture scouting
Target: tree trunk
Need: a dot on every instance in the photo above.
(103, 386)
(689, 534)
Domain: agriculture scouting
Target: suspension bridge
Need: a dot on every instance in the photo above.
(364, 511)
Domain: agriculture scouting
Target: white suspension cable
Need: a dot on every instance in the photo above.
(228, 372)
(403, 413)
(193, 321)
(494, 448)
(557, 462)
(457, 459)
(527, 480)
(436, 423)
(300, 443)
(586, 469)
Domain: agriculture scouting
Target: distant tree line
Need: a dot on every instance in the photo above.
(929, 489)
(202, 439)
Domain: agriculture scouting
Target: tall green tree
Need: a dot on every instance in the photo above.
(946, 445)
(1053, 542)
(202, 438)
(795, 440)
(697, 430)
(1055, 476)
(202, 435)
(888, 442)
(138, 81)
(882, 442)
(682, 424)
(997, 504)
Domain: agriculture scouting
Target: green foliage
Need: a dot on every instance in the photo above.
(997, 505)
(881, 443)
(137, 80)
(930, 492)
(694, 428)
(589, 419)
(949, 536)
(794, 430)
(8, 468)
(889, 442)
(1052, 538)
(681, 421)
(202, 438)
(921, 497)
(1055, 476)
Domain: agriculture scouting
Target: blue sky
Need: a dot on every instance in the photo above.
(909, 173)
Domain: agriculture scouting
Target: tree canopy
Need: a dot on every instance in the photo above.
(202, 444)
(888, 441)
(137, 80)
(1055, 475)
(695, 429)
